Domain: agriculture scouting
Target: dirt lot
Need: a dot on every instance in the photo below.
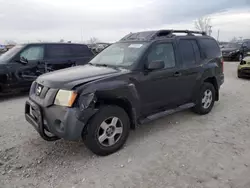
(183, 150)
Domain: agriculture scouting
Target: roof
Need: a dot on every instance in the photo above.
(50, 43)
(152, 35)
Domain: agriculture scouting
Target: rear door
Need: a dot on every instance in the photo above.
(190, 67)
(81, 54)
(57, 56)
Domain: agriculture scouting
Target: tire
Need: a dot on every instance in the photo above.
(103, 136)
(200, 107)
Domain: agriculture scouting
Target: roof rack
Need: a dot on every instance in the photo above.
(189, 32)
(170, 33)
(151, 35)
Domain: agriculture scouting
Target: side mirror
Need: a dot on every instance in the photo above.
(23, 60)
(156, 65)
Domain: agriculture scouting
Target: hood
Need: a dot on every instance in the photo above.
(3, 69)
(3, 62)
(70, 77)
(247, 59)
(228, 49)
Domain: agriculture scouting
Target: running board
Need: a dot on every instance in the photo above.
(166, 112)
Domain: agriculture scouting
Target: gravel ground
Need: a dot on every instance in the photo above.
(183, 150)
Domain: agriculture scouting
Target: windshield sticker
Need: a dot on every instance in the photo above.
(135, 45)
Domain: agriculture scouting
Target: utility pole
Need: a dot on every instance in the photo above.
(218, 35)
(209, 30)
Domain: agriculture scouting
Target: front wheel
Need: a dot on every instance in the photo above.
(107, 131)
(206, 98)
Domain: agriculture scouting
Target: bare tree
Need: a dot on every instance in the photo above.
(93, 40)
(203, 24)
(10, 42)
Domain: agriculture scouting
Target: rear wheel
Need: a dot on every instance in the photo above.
(107, 131)
(206, 99)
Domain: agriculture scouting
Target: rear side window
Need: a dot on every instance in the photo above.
(210, 48)
(58, 51)
(188, 51)
(80, 50)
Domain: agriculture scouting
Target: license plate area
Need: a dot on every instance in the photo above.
(34, 112)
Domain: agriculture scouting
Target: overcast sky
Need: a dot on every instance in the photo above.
(109, 20)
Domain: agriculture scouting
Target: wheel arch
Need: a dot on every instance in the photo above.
(124, 104)
(213, 81)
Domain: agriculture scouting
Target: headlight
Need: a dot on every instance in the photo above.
(65, 98)
(243, 62)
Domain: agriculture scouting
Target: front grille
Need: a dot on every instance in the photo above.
(46, 97)
(39, 90)
(245, 71)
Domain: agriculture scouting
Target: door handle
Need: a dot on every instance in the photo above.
(177, 74)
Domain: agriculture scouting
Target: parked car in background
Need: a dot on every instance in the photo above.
(244, 67)
(22, 64)
(244, 49)
(98, 47)
(3, 49)
(142, 77)
(231, 51)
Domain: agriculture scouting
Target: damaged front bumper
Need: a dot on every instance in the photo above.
(62, 122)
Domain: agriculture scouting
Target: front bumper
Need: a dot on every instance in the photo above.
(228, 55)
(61, 121)
(244, 72)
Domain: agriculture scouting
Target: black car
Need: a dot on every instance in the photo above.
(22, 64)
(244, 49)
(231, 51)
(142, 77)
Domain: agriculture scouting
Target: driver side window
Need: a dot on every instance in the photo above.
(33, 53)
(162, 52)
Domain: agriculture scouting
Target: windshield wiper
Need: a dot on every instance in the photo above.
(101, 65)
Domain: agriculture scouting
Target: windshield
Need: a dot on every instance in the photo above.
(120, 54)
(231, 45)
(10, 53)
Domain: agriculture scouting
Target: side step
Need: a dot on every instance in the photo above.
(166, 112)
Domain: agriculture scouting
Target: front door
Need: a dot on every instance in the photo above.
(26, 72)
(159, 89)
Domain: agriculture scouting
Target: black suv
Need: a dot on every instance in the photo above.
(245, 49)
(142, 77)
(231, 51)
(22, 64)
